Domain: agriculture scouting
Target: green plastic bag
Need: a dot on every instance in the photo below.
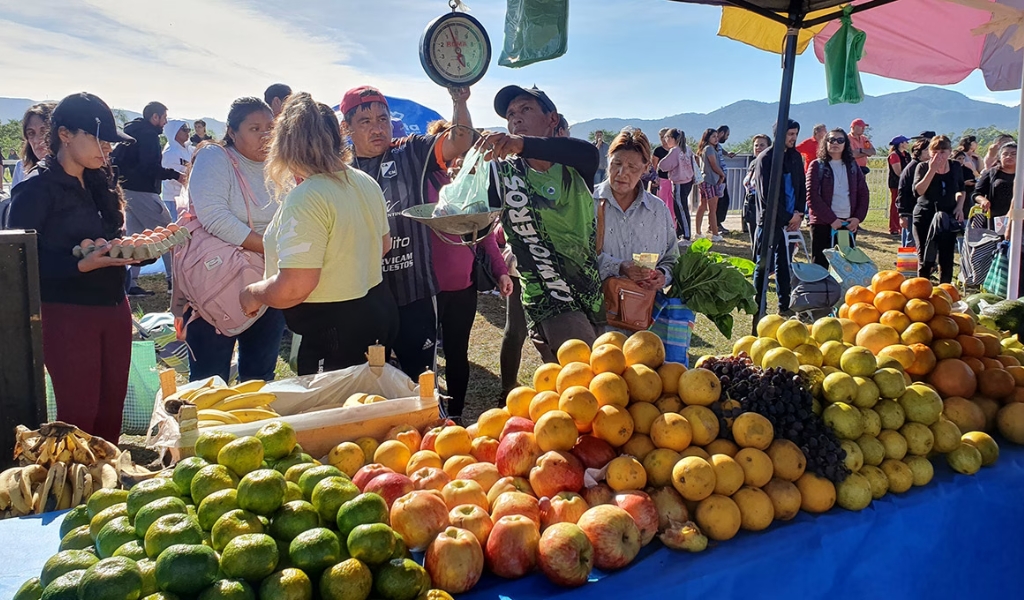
(842, 52)
(535, 30)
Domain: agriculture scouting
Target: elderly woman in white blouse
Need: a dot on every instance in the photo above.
(635, 221)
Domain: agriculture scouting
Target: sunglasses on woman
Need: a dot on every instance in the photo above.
(835, 140)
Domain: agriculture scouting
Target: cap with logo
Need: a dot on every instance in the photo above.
(87, 112)
(896, 141)
(359, 96)
(509, 93)
(858, 123)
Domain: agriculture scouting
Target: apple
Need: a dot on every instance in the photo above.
(511, 549)
(455, 560)
(472, 518)
(670, 505)
(418, 517)
(517, 454)
(429, 478)
(515, 503)
(643, 510)
(598, 495)
(464, 491)
(515, 424)
(427, 443)
(556, 471)
(614, 534)
(565, 554)
(486, 474)
(484, 449)
(684, 536)
(593, 452)
(522, 484)
(390, 486)
(368, 472)
(408, 435)
(563, 507)
(473, 430)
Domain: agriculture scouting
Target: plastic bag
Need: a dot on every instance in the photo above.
(535, 30)
(468, 193)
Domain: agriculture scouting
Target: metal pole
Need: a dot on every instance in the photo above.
(1017, 211)
(778, 156)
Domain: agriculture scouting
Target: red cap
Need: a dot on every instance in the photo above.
(854, 123)
(359, 96)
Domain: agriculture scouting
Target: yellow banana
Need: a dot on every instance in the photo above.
(77, 483)
(247, 400)
(64, 501)
(60, 474)
(87, 486)
(218, 415)
(208, 398)
(6, 483)
(21, 494)
(208, 423)
(249, 386)
(63, 452)
(248, 415)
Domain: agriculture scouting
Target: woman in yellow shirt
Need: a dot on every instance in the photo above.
(324, 245)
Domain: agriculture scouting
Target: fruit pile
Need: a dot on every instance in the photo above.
(216, 405)
(149, 244)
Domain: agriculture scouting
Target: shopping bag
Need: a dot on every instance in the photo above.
(997, 280)
(849, 265)
(978, 247)
(171, 352)
(535, 30)
(673, 323)
(468, 192)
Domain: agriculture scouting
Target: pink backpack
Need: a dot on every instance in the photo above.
(209, 273)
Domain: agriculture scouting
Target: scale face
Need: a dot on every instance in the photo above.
(455, 50)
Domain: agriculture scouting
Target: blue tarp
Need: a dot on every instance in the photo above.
(414, 117)
(958, 537)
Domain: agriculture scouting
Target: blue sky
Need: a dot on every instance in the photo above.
(626, 58)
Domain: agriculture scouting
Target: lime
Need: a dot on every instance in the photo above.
(262, 491)
(292, 519)
(372, 544)
(233, 524)
(102, 498)
(30, 590)
(133, 549)
(292, 491)
(315, 550)
(278, 439)
(148, 569)
(294, 472)
(64, 587)
(364, 509)
(113, 578)
(169, 530)
(210, 479)
(286, 584)
(144, 492)
(171, 505)
(74, 518)
(330, 493)
(215, 505)
(77, 539)
(347, 580)
(401, 579)
(228, 589)
(242, 455)
(65, 562)
(401, 550)
(184, 471)
(113, 535)
(209, 444)
(186, 569)
(105, 516)
(311, 477)
(161, 596)
(295, 458)
(252, 557)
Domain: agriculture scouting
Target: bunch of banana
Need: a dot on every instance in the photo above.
(241, 403)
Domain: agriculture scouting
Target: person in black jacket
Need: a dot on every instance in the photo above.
(789, 212)
(87, 329)
(905, 196)
(939, 185)
(141, 169)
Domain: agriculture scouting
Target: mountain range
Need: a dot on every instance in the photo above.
(14, 108)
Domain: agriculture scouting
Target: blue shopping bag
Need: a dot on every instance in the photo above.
(673, 323)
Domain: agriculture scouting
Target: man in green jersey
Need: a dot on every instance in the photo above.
(544, 183)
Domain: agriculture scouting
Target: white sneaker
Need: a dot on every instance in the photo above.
(717, 238)
(683, 241)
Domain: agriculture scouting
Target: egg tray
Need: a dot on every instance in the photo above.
(145, 246)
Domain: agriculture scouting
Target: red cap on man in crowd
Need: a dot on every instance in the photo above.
(361, 95)
(858, 123)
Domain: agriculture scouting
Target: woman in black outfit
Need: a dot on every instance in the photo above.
(939, 185)
(994, 190)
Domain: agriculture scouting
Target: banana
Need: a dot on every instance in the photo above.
(105, 475)
(208, 398)
(102, 449)
(248, 415)
(205, 424)
(64, 502)
(83, 455)
(246, 400)
(77, 483)
(60, 473)
(21, 494)
(218, 415)
(44, 492)
(249, 386)
(87, 487)
(6, 482)
(63, 452)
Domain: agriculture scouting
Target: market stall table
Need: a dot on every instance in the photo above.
(958, 537)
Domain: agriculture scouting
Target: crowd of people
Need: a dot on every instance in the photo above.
(315, 198)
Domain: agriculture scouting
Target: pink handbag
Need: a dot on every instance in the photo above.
(209, 273)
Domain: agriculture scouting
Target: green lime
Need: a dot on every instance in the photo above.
(65, 562)
(361, 510)
(133, 549)
(311, 477)
(209, 444)
(74, 518)
(113, 578)
(401, 550)
(184, 471)
(114, 534)
(215, 505)
(148, 569)
(171, 505)
(252, 557)
(161, 596)
(228, 589)
(170, 530)
(262, 491)
(286, 584)
(64, 587)
(372, 544)
(242, 455)
(292, 519)
(292, 492)
(30, 590)
(330, 493)
(315, 550)
(186, 569)
(77, 539)
(295, 458)
(294, 472)
(233, 524)
(347, 580)
(104, 497)
(401, 579)
(105, 516)
(210, 479)
(278, 439)
(147, 491)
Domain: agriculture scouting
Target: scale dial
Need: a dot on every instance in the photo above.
(455, 50)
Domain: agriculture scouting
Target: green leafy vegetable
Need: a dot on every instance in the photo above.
(713, 285)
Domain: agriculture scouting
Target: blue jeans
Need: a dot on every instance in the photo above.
(258, 346)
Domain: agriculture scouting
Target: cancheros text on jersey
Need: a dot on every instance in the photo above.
(520, 213)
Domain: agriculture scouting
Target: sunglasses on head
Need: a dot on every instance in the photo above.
(835, 140)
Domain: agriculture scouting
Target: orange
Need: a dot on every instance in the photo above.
(492, 421)
(971, 346)
(890, 301)
(941, 292)
(544, 379)
(573, 351)
(573, 374)
(896, 319)
(950, 289)
(671, 430)
(452, 440)
(924, 360)
(580, 404)
(919, 311)
(556, 430)
(863, 313)
(607, 359)
(844, 311)
(542, 403)
(974, 363)
(940, 300)
(393, 454)
(644, 414)
(887, 281)
(613, 425)
(610, 389)
(875, 336)
(626, 473)
(916, 287)
(518, 401)
(964, 322)
(859, 293)
(943, 327)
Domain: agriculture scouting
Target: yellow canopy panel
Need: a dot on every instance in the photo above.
(754, 30)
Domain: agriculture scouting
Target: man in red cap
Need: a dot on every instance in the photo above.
(398, 165)
(860, 144)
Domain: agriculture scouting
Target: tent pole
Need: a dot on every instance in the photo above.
(770, 232)
(1017, 211)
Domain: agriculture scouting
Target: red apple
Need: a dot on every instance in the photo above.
(643, 510)
(418, 517)
(598, 495)
(670, 505)
(556, 472)
(455, 560)
(368, 472)
(593, 452)
(565, 554)
(515, 503)
(515, 424)
(614, 534)
(512, 546)
(408, 435)
(429, 478)
(464, 491)
(390, 486)
(472, 518)
(473, 430)
(485, 449)
(517, 453)
(427, 443)
(522, 484)
(563, 507)
(486, 474)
